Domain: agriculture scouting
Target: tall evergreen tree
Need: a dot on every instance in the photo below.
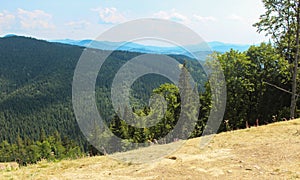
(188, 101)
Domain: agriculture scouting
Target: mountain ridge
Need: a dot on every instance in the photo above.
(137, 47)
(217, 46)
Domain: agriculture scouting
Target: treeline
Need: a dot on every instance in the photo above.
(26, 151)
(258, 84)
(255, 80)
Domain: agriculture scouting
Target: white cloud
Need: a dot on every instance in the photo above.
(172, 15)
(235, 17)
(110, 15)
(204, 18)
(6, 20)
(36, 19)
(82, 24)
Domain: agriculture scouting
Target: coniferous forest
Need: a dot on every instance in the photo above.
(36, 114)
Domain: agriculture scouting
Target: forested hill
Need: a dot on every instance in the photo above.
(35, 87)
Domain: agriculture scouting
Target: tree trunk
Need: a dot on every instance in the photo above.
(295, 71)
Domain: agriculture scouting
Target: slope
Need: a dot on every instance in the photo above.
(36, 87)
(265, 152)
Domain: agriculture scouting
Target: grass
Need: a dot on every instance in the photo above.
(265, 152)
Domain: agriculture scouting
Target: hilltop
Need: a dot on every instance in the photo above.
(265, 152)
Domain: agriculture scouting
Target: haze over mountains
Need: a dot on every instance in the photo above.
(136, 47)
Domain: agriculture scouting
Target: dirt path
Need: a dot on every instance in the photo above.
(266, 152)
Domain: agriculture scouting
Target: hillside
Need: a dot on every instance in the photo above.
(36, 87)
(265, 152)
(35, 94)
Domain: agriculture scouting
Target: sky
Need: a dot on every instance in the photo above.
(228, 21)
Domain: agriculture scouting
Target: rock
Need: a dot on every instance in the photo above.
(257, 167)
(172, 157)
(229, 171)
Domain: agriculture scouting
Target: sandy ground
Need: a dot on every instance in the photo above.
(265, 152)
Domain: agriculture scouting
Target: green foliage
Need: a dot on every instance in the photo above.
(281, 21)
(247, 74)
(166, 120)
(51, 148)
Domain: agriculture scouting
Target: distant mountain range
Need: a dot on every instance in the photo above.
(135, 47)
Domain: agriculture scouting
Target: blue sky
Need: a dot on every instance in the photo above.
(214, 20)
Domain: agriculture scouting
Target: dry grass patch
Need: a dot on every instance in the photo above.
(265, 152)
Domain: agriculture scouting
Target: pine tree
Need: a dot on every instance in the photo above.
(189, 106)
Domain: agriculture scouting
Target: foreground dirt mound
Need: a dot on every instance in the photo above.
(265, 152)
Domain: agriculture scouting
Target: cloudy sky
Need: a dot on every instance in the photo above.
(214, 20)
